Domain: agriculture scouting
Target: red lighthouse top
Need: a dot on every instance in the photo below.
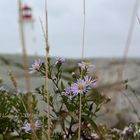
(26, 12)
(26, 8)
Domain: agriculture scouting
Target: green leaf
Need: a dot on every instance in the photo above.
(40, 90)
(63, 125)
(62, 86)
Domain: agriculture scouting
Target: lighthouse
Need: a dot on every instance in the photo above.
(26, 17)
(26, 38)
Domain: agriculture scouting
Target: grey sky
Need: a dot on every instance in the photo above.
(107, 24)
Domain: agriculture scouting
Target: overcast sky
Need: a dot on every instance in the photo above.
(107, 24)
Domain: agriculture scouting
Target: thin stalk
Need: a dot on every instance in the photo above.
(48, 114)
(127, 47)
(80, 114)
(130, 35)
(128, 39)
(46, 78)
(43, 130)
(83, 49)
(134, 92)
(43, 126)
(43, 30)
(25, 63)
(84, 23)
(131, 103)
(14, 81)
(138, 18)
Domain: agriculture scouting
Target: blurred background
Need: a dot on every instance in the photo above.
(107, 25)
(112, 34)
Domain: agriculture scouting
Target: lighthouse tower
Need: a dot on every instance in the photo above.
(28, 27)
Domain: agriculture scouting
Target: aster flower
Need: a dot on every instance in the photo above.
(37, 124)
(27, 126)
(59, 60)
(89, 81)
(36, 66)
(79, 87)
(69, 93)
(85, 65)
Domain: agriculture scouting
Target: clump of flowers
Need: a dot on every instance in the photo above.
(81, 86)
(83, 83)
(66, 110)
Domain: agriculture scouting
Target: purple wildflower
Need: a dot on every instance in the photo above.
(36, 66)
(37, 124)
(59, 60)
(89, 81)
(79, 87)
(69, 93)
(85, 65)
(27, 126)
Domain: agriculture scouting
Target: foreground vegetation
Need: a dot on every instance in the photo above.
(20, 117)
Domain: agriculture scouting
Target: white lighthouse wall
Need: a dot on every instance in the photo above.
(30, 37)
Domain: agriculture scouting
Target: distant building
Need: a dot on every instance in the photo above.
(28, 25)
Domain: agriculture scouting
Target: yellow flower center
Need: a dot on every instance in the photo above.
(36, 67)
(80, 87)
(87, 81)
(87, 64)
